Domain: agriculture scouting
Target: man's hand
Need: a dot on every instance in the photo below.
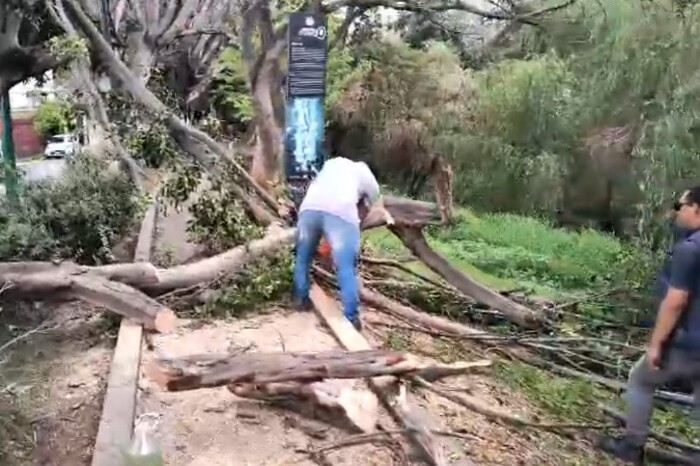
(362, 210)
(654, 353)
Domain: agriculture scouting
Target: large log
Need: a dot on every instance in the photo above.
(408, 415)
(359, 407)
(414, 239)
(200, 371)
(95, 289)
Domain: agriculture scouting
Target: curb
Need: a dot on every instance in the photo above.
(119, 405)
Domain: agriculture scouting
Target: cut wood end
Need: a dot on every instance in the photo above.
(155, 372)
(165, 321)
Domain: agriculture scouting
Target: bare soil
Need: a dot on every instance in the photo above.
(213, 427)
(53, 382)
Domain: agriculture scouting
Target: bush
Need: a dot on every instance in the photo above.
(55, 117)
(263, 281)
(219, 219)
(80, 216)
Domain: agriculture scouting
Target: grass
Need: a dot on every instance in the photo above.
(506, 252)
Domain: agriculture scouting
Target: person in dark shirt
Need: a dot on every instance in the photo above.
(673, 351)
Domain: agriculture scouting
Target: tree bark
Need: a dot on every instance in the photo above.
(181, 130)
(260, 368)
(401, 211)
(117, 297)
(518, 314)
(384, 304)
(359, 407)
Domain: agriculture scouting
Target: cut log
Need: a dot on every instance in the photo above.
(359, 407)
(414, 239)
(212, 268)
(200, 371)
(117, 297)
(401, 211)
(352, 340)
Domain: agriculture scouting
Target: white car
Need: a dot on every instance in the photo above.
(62, 145)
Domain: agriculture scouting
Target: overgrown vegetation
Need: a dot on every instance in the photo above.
(79, 217)
(508, 252)
(55, 117)
(266, 280)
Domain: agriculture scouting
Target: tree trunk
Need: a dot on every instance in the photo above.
(358, 407)
(384, 304)
(99, 291)
(260, 368)
(181, 130)
(413, 239)
(269, 148)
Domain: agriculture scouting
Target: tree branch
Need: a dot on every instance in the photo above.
(453, 5)
(350, 16)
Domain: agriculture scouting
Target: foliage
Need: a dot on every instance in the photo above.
(568, 400)
(230, 86)
(151, 142)
(530, 252)
(68, 47)
(81, 216)
(219, 219)
(55, 117)
(266, 280)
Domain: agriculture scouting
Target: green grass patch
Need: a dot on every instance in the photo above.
(566, 399)
(506, 251)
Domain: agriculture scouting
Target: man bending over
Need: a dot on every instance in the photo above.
(333, 207)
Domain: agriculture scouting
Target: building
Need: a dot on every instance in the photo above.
(25, 99)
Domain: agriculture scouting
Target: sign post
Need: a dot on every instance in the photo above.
(8, 150)
(306, 89)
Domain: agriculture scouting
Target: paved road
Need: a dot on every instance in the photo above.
(42, 169)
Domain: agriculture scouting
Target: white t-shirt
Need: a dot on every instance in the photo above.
(338, 188)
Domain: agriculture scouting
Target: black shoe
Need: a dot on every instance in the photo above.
(623, 449)
(357, 324)
(303, 305)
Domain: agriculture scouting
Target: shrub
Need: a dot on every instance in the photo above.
(266, 280)
(219, 219)
(55, 117)
(80, 216)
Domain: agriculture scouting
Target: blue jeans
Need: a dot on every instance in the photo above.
(344, 238)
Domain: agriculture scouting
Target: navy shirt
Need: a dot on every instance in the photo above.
(683, 273)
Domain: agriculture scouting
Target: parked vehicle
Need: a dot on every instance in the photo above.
(62, 146)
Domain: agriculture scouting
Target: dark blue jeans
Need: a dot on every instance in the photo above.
(344, 238)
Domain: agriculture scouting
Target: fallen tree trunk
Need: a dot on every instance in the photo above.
(359, 407)
(414, 239)
(382, 303)
(96, 289)
(351, 339)
(155, 281)
(401, 211)
(212, 268)
(259, 368)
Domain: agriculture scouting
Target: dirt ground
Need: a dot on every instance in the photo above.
(213, 427)
(53, 383)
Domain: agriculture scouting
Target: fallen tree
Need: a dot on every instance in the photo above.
(194, 372)
(414, 240)
(125, 288)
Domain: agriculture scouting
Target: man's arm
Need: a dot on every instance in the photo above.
(368, 184)
(684, 269)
